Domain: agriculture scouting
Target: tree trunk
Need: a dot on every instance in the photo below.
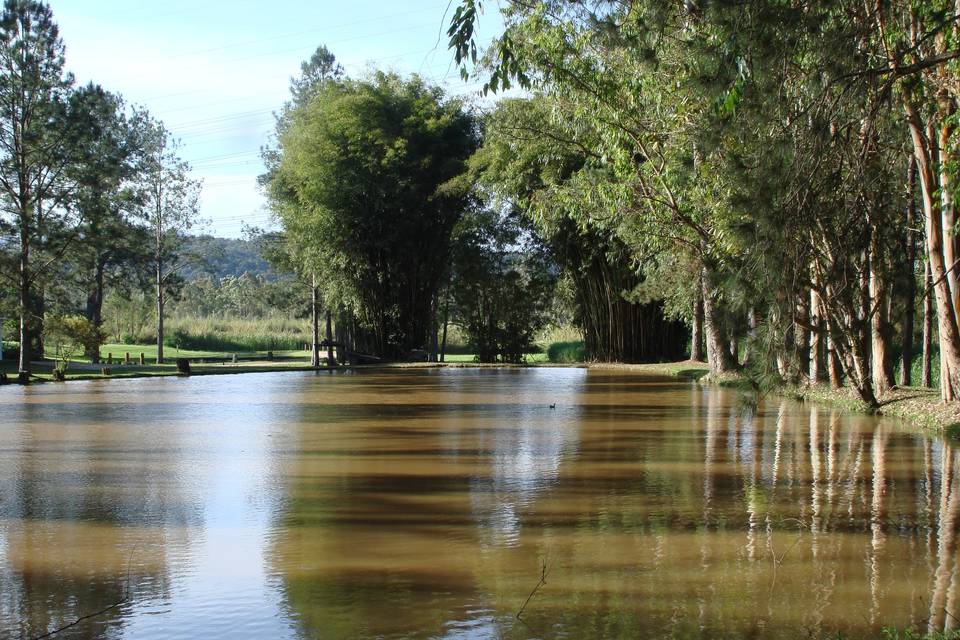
(37, 317)
(160, 304)
(446, 323)
(948, 331)
(801, 332)
(25, 295)
(947, 212)
(833, 365)
(314, 322)
(330, 361)
(718, 354)
(434, 345)
(881, 362)
(927, 380)
(816, 338)
(910, 290)
(343, 337)
(95, 311)
(696, 338)
(752, 328)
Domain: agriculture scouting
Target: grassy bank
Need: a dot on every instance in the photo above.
(44, 372)
(219, 362)
(686, 369)
(919, 406)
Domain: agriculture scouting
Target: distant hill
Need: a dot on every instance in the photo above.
(222, 257)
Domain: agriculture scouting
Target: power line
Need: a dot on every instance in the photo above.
(309, 31)
(260, 95)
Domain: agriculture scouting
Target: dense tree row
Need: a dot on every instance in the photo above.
(776, 173)
(92, 192)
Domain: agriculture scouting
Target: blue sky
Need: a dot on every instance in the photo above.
(215, 71)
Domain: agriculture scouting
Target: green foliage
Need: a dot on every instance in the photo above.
(502, 287)
(37, 129)
(320, 68)
(170, 201)
(537, 160)
(112, 247)
(567, 352)
(368, 190)
(916, 369)
(68, 336)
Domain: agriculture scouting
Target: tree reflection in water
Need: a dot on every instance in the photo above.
(794, 520)
(425, 503)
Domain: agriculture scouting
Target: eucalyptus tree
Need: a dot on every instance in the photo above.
(169, 206)
(34, 93)
(812, 160)
(367, 184)
(919, 45)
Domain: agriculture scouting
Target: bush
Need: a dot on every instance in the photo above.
(575, 351)
(68, 336)
(11, 350)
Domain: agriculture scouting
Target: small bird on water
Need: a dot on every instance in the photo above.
(553, 406)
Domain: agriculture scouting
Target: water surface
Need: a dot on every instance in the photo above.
(431, 503)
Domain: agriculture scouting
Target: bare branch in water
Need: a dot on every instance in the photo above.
(543, 581)
(125, 598)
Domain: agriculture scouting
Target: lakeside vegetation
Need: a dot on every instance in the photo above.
(769, 190)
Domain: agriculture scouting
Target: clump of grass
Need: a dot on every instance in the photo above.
(566, 352)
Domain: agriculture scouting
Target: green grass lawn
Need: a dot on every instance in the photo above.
(532, 358)
(150, 352)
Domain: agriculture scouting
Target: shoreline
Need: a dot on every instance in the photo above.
(919, 407)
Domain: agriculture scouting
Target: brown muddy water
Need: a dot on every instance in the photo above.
(430, 503)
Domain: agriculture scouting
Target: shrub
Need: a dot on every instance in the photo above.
(11, 350)
(575, 351)
(68, 336)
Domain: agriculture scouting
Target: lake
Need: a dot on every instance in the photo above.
(440, 503)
